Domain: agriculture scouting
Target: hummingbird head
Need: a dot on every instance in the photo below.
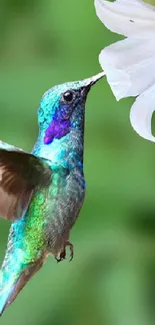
(62, 108)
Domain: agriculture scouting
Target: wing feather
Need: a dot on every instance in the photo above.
(20, 174)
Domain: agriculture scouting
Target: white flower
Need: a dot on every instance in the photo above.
(130, 64)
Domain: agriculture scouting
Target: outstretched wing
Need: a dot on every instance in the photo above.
(20, 174)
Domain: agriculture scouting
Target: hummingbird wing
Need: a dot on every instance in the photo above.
(20, 174)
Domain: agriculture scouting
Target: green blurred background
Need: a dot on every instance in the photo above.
(111, 280)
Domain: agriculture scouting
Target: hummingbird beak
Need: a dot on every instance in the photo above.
(86, 84)
(91, 81)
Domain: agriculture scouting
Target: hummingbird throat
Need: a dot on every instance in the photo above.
(56, 130)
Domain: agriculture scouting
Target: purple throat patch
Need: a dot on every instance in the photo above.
(56, 130)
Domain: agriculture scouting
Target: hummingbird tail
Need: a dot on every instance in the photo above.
(12, 283)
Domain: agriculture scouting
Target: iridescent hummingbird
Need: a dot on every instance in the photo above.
(42, 192)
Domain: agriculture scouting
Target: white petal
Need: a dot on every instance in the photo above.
(127, 17)
(129, 67)
(141, 113)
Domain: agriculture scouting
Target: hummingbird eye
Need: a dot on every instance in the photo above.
(68, 96)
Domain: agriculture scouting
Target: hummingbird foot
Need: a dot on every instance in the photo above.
(62, 255)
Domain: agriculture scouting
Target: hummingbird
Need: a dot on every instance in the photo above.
(42, 192)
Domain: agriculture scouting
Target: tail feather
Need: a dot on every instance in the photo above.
(11, 285)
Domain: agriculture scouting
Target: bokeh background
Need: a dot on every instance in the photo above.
(111, 280)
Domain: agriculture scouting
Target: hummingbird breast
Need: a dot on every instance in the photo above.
(65, 198)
